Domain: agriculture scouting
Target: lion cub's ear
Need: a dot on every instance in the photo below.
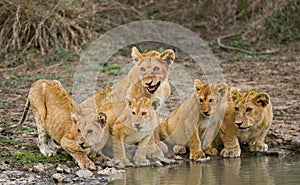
(262, 99)
(155, 103)
(197, 85)
(75, 117)
(135, 54)
(234, 94)
(101, 119)
(130, 102)
(168, 56)
(221, 89)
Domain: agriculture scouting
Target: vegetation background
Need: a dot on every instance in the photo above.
(257, 42)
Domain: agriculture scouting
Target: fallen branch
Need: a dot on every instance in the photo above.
(219, 39)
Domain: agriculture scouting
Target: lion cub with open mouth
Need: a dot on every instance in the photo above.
(198, 117)
(133, 125)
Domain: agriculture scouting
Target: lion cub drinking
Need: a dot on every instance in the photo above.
(134, 125)
(52, 107)
(247, 120)
(187, 124)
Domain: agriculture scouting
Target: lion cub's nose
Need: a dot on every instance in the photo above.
(239, 123)
(206, 113)
(137, 126)
(149, 83)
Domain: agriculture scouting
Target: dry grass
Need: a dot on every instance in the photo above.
(47, 24)
(71, 25)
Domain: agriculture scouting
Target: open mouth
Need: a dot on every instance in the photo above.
(244, 128)
(152, 89)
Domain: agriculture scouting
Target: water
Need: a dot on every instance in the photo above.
(256, 170)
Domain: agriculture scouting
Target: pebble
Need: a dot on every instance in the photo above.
(59, 177)
(84, 173)
(110, 171)
(63, 169)
(203, 160)
(39, 168)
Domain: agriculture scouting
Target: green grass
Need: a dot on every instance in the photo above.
(14, 80)
(110, 68)
(10, 142)
(29, 158)
(1, 105)
(199, 10)
(242, 44)
(284, 24)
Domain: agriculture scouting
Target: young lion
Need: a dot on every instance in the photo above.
(190, 121)
(150, 72)
(135, 125)
(52, 107)
(247, 120)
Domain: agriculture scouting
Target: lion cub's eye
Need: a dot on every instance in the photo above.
(78, 130)
(155, 69)
(201, 100)
(236, 109)
(133, 113)
(143, 69)
(144, 113)
(248, 109)
(211, 100)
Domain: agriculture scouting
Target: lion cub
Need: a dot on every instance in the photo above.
(52, 107)
(134, 125)
(148, 77)
(194, 118)
(248, 118)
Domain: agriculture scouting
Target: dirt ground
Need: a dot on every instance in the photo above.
(277, 73)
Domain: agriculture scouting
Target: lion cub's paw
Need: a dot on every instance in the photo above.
(141, 161)
(125, 161)
(87, 164)
(178, 149)
(236, 152)
(211, 151)
(46, 151)
(194, 155)
(258, 147)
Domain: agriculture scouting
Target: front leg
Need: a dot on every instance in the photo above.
(119, 148)
(231, 145)
(211, 150)
(257, 144)
(72, 147)
(140, 155)
(195, 146)
(154, 151)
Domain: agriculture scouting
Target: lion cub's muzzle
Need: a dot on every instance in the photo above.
(206, 114)
(151, 86)
(138, 126)
(241, 125)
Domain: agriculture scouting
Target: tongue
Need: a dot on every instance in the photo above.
(151, 89)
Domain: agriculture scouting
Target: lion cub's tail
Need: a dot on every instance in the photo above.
(27, 105)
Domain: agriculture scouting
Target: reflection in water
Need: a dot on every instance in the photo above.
(219, 171)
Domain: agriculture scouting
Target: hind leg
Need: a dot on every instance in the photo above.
(52, 145)
(43, 142)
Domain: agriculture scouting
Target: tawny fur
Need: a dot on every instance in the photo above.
(247, 120)
(134, 125)
(148, 77)
(52, 108)
(199, 115)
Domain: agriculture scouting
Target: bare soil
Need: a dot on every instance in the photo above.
(277, 73)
